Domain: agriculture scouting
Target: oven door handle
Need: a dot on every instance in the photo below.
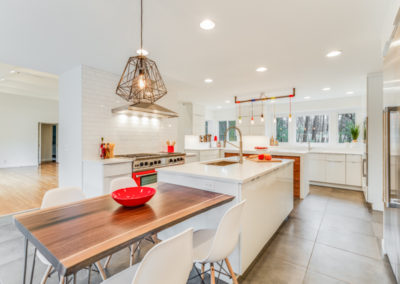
(145, 175)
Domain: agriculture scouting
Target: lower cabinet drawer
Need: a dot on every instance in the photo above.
(117, 169)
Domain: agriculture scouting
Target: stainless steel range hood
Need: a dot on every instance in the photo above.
(145, 109)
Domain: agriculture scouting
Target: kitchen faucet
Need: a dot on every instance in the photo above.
(240, 147)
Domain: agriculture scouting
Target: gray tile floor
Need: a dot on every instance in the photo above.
(330, 237)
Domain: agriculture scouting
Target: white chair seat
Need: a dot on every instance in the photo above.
(202, 242)
(123, 277)
(42, 258)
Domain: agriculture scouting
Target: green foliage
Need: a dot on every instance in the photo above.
(282, 129)
(355, 131)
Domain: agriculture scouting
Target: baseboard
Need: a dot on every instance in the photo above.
(335, 185)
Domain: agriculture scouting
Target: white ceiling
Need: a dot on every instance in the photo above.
(290, 37)
(26, 82)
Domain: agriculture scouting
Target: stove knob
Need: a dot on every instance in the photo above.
(159, 161)
(174, 160)
(151, 163)
(146, 163)
(170, 160)
(141, 164)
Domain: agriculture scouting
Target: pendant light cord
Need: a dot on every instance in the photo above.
(141, 25)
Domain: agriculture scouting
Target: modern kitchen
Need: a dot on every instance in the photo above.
(199, 142)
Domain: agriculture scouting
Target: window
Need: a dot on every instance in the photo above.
(345, 122)
(282, 129)
(232, 132)
(312, 128)
(221, 130)
(223, 125)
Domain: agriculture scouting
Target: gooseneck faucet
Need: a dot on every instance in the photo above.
(240, 142)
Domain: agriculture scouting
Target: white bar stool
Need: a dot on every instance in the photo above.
(215, 245)
(58, 197)
(168, 262)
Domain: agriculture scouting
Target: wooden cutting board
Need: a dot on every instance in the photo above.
(254, 158)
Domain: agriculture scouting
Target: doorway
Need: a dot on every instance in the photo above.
(47, 143)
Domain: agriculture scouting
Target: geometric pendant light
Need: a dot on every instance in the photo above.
(141, 82)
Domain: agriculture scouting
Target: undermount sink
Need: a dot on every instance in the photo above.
(221, 163)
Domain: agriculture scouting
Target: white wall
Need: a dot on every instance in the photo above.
(19, 124)
(375, 140)
(70, 128)
(130, 134)
(330, 106)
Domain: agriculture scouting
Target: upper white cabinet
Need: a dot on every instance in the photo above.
(343, 169)
(354, 170)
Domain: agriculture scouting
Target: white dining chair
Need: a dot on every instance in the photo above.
(122, 182)
(58, 197)
(168, 262)
(215, 245)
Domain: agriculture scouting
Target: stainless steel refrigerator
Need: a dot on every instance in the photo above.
(392, 187)
(391, 119)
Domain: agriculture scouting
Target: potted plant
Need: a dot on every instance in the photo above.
(355, 132)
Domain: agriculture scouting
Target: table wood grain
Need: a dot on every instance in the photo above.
(76, 235)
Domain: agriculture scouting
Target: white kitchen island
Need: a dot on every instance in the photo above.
(267, 187)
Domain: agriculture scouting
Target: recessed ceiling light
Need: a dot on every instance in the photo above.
(207, 24)
(334, 53)
(208, 80)
(13, 72)
(261, 69)
(326, 89)
(307, 97)
(350, 92)
(142, 52)
(228, 101)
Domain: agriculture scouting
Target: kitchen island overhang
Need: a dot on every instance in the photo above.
(267, 187)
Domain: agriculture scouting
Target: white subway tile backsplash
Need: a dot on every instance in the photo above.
(130, 134)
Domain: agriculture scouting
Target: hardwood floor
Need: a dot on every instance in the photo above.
(23, 188)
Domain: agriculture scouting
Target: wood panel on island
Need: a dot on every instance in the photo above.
(296, 170)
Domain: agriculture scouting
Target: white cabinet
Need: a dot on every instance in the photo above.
(335, 169)
(354, 170)
(340, 169)
(316, 167)
(97, 175)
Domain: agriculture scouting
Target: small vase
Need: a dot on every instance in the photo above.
(355, 141)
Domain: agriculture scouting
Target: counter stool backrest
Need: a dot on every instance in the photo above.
(227, 234)
(61, 196)
(169, 262)
(122, 182)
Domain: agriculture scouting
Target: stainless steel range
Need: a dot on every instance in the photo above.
(144, 165)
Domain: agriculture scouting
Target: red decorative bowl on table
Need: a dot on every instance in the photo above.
(133, 196)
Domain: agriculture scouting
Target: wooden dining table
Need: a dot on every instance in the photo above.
(74, 236)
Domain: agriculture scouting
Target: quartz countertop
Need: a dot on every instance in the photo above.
(294, 152)
(235, 173)
(111, 161)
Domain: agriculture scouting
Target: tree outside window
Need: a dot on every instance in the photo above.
(222, 126)
(282, 129)
(312, 128)
(345, 122)
(232, 132)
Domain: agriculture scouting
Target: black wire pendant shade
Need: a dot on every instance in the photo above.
(141, 82)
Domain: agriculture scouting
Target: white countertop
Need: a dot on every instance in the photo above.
(236, 173)
(293, 152)
(111, 161)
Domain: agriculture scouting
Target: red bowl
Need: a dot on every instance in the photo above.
(133, 196)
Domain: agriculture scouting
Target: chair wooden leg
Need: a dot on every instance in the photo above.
(46, 274)
(107, 261)
(62, 279)
(202, 271)
(101, 270)
(212, 273)
(231, 271)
